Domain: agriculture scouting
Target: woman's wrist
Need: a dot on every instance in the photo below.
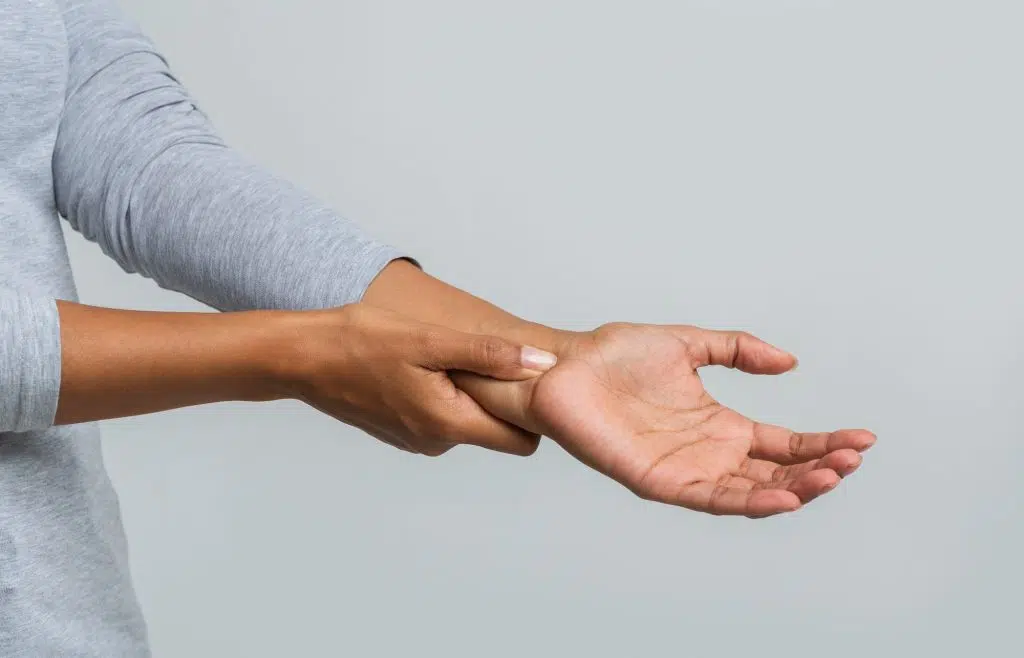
(272, 353)
(298, 345)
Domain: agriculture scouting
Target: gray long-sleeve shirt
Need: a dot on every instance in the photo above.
(94, 127)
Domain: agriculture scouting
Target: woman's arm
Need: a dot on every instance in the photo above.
(627, 401)
(139, 169)
(373, 369)
(63, 363)
(118, 363)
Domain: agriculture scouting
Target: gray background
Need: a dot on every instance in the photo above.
(842, 178)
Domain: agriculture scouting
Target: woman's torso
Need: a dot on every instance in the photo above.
(64, 584)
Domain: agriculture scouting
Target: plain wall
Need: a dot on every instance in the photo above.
(842, 178)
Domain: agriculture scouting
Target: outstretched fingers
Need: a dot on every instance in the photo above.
(781, 445)
(807, 486)
(765, 489)
(844, 462)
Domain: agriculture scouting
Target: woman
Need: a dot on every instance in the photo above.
(94, 128)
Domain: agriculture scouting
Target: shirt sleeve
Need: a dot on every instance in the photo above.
(30, 361)
(139, 169)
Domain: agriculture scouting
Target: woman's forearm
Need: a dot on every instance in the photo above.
(117, 363)
(371, 368)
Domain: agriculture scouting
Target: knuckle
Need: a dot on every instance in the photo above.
(429, 341)
(444, 427)
(531, 447)
(715, 502)
(434, 449)
(522, 446)
(796, 442)
(746, 340)
(420, 431)
(494, 352)
(642, 491)
(610, 329)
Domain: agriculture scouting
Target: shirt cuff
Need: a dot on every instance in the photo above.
(30, 362)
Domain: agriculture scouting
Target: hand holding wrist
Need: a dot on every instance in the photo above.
(388, 375)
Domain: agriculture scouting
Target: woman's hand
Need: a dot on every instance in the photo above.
(627, 401)
(388, 375)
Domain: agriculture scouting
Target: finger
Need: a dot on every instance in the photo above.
(843, 462)
(785, 446)
(761, 471)
(470, 424)
(806, 486)
(435, 449)
(720, 499)
(810, 485)
(737, 349)
(509, 401)
(445, 349)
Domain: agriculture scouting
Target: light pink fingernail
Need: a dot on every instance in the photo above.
(535, 359)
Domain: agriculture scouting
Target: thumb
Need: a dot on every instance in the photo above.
(487, 355)
(738, 349)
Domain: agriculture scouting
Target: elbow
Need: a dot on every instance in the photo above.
(114, 128)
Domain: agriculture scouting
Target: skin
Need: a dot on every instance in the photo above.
(425, 366)
(368, 367)
(627, 400)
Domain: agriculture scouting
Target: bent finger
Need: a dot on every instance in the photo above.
(737, 349)
(509, 401)
(475, 426)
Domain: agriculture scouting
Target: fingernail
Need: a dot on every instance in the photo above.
(534, 359)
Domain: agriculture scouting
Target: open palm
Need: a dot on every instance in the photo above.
(627, 401)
